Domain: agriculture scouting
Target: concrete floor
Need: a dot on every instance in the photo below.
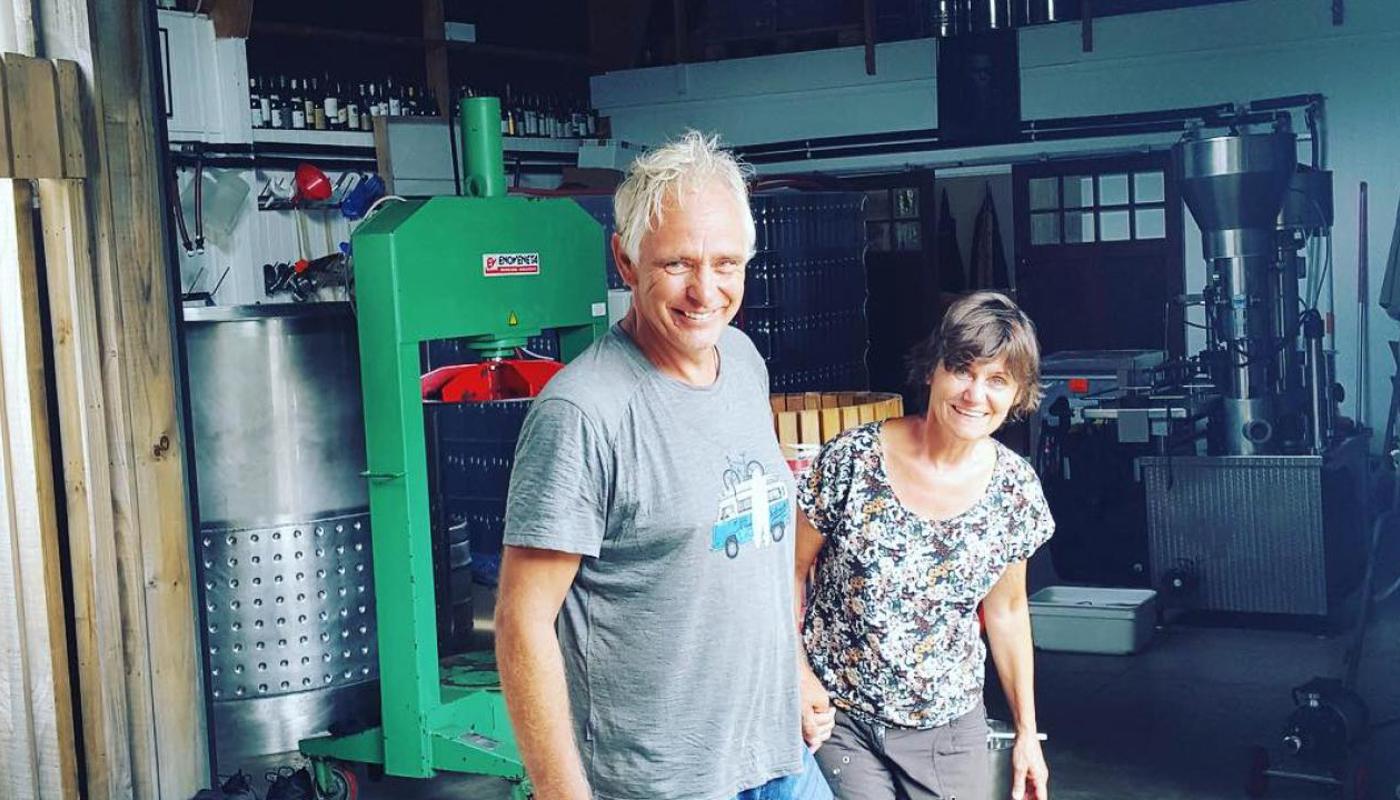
(1175, 722)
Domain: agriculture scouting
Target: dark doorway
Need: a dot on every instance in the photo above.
(1099, 253)
(901, 272)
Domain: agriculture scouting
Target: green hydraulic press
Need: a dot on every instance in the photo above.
(495, 270)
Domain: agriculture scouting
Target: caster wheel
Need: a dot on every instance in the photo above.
(342, 784)
(1257, 784)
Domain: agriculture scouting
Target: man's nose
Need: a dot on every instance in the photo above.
(703, 285)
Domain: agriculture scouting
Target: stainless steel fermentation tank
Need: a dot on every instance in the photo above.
(1253, 203)
(283, 543)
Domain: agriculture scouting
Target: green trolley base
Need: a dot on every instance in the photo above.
(470, 732)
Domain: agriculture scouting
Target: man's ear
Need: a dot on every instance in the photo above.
(625, 268)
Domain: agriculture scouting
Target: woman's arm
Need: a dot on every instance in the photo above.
(818, 717)
(1006, 615)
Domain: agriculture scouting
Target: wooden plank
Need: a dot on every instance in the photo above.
(809, 426)
(87, 485)
(867, 412)
(831, 423)
(777, 403)
(787, 428)
(19, 766)
(31, 504)
(138, 321)
(6, 162)
(811, 400)
(830, 400)
(232, 18)
(32, 95)
(70, 119)
(850, 417)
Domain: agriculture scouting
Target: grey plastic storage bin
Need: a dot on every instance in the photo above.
(1090, 619)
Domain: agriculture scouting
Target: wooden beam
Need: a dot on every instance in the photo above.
(29, 519)
(6, 162)
(32, 97)
(71, 121)
(678, 31)
(232, 18)
(868, 26)
(1086, 25)
(87, 487)
(435, 54)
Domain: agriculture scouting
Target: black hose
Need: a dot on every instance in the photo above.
(179, 213)
(199, 204)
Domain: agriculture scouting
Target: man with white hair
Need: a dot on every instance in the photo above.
(648, 510)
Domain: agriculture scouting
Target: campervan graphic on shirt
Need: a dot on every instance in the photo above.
(753, 510)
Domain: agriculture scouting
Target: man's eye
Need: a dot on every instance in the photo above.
(676, 267)
(728, 266)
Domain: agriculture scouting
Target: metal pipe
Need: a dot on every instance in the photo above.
(481, 147)
(1363, 393)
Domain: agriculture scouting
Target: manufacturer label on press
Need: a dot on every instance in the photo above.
(495, 265)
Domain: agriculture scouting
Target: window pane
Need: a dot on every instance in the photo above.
(877, 235)
(1148, 188)
(1045, 228)
(906, 203)
(1079, 191)
(877, 204)
(1113, 190)
(1151, 223)
(1079, 226)
(1113, 226)
(906, 236)
(1044, 193)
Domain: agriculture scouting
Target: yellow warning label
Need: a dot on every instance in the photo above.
(512, 320)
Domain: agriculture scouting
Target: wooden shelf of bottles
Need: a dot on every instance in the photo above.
(312, 136)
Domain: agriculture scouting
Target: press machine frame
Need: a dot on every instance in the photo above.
(422, 273)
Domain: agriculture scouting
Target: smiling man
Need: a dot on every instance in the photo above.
(644, 628)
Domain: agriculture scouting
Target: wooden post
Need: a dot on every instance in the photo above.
(868, 29)
(41, 757)
(678, 25)
(435, 51)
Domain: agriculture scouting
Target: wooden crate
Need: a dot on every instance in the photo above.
(804, 422)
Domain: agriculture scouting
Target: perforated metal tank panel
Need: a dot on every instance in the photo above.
(286, 577)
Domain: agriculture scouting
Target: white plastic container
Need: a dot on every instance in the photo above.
(1089, 619)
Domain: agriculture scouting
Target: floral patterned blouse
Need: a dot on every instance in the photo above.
(891, 628)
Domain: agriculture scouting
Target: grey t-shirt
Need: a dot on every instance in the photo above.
(677, 634)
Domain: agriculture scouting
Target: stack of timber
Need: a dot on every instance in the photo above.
(99, 679)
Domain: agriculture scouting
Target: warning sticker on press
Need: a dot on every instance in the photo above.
(495, 265)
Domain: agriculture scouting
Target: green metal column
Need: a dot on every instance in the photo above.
(481, 147)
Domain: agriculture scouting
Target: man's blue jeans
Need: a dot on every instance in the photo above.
(805, 785)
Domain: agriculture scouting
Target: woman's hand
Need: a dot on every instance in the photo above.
(1030, 777)
(818, 717)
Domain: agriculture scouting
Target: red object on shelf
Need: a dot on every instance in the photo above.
(312, 184)
(1079, 385)
(504, 379)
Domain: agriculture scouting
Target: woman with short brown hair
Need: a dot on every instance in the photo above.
(912, 524)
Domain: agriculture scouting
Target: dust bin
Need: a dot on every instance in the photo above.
(1092, 619)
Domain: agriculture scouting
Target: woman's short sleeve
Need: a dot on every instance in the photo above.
(1032, 525)
(823, 492)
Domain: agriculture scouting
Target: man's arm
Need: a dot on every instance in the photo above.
(533, 584)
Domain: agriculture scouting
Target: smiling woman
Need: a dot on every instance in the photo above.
(917, 522)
